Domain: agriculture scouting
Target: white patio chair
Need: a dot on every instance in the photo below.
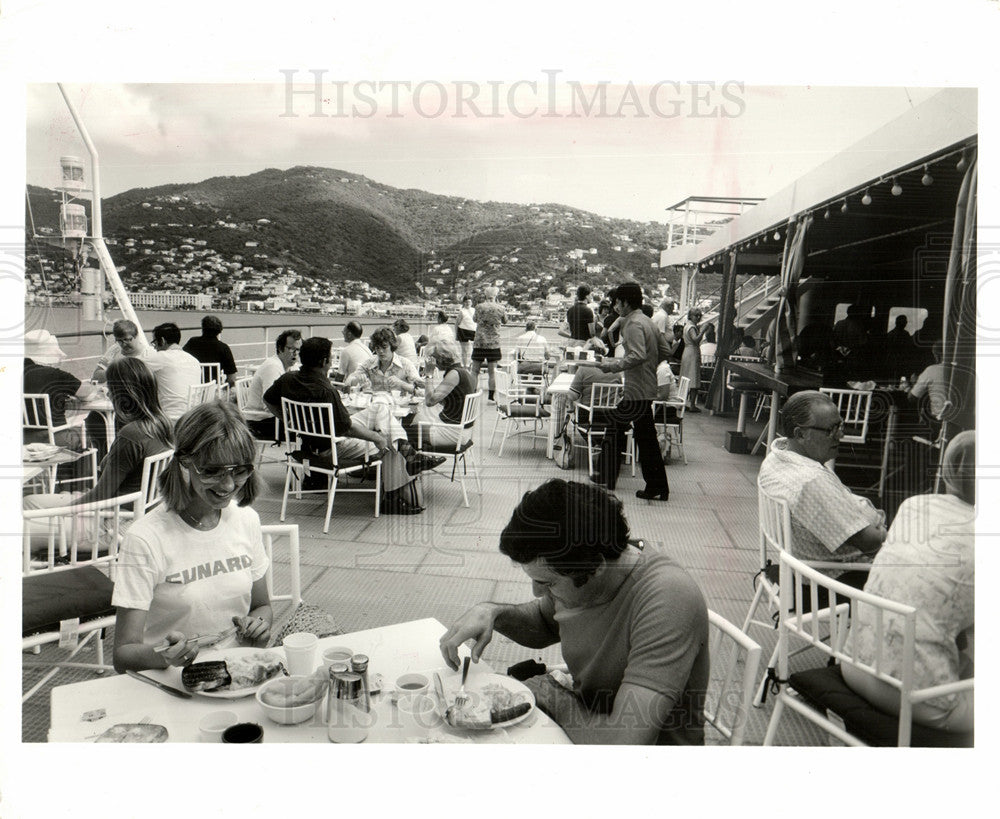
(36, 414)
(854, 407)
(149, 483)
(735, 661)
(673, 431)
(212, 371)
(242, 390)
(464, 434)
(518, 404)
(274, 532)
(68, 589)
(201, 394)
(774, 533)
(591, 419)
(821, 696)
(314, 421)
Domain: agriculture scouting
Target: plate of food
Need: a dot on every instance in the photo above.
(232, 673)
(494, 701)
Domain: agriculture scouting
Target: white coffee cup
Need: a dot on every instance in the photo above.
(337, 654)
(409, 686)
(417, 715)
(211, 726)
(300, 653)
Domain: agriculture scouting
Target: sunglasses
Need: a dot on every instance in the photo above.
(238, 472)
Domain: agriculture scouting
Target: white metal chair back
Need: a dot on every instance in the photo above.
(605, 397)
(800, 582)
(503, 391)
(202, 393)
(149, 483)
(87, 536)
(36, 414)
(283, 531)
(242, 390)
(315, 421)
(735, 662)
(854, 407)
(683, 388)
(211, 371)
(82, 535)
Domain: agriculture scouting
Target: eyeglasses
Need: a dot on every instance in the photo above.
(238, 472)
(832, 432)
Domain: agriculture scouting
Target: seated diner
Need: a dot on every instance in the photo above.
(196, 564)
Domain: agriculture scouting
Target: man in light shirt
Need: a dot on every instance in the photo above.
(287, 347)
(356, 352)
(829, 522)
(531, 349)
(175, 370)
(663, 318)
(128, 342)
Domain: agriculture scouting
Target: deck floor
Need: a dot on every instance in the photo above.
(371, 572)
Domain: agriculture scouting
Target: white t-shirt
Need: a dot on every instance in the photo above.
(264, 376)
(666, 386)
(187, 580)
(175, 372)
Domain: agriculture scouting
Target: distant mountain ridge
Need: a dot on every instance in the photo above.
(333, 226)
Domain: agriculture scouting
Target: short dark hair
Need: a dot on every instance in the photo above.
(168, 333)
(282, 340)
(647, 309)
(401, 326)
(442, 316)
(355, 329)
(211, 326)
(530, 326)
(573, 526)
(630, 293)
(901, 320)
(582, 292)
(383, 335)
(315, 351)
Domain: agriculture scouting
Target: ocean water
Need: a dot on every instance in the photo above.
(250, 335)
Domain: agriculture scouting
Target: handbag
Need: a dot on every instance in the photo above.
(563, 449)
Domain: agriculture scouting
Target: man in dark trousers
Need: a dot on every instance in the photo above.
(644, 349)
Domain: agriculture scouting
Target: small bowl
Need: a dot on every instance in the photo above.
(285, 714)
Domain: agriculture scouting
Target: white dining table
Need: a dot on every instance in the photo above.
(392, 650)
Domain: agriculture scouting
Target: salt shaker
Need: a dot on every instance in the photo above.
(359, 665)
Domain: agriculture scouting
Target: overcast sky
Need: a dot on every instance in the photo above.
(634, 153)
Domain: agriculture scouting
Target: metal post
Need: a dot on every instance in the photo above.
(97, 240)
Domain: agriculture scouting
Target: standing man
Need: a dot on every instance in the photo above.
(356, 351)
(128, 342)
(209, 350)
(287, 347)
(663, 317)
(580, 317)
(489, 316)
(644, 349)
(175, 370)
(466, 334)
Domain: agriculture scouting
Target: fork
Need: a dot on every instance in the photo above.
(461, 698)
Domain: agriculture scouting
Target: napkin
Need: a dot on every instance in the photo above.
(38, 452)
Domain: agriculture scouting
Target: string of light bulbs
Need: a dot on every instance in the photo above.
(926, 180)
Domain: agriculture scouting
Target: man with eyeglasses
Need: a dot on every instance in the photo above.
(829, 522)
(129, 343)
(286, 356)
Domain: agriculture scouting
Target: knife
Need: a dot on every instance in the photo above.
(135, 675)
